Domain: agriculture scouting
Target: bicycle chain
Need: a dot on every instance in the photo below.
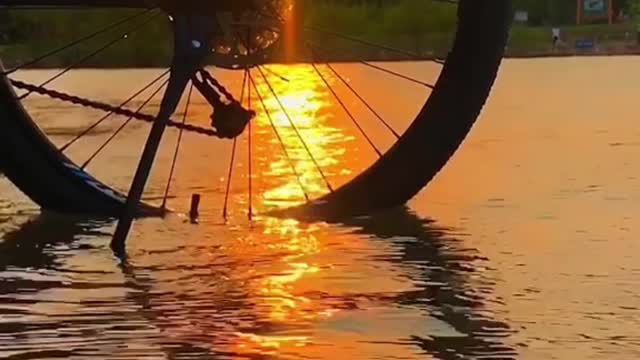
(110, 108)
(205, 74)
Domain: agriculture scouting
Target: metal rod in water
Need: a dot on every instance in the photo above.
(194, 213)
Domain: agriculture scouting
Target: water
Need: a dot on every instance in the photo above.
(524, 247)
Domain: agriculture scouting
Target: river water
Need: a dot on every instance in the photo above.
(524, 247)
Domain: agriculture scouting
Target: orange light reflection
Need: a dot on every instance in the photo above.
(307, 116)
(309, 106)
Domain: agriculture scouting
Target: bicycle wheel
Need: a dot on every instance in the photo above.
(468, 38)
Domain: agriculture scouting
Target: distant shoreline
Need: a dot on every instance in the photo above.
(538, 55)
(404, 25)
(601, 50)
(563, 54)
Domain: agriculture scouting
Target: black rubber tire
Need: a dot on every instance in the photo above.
(50, 179)
(44, 174)
(441, 126)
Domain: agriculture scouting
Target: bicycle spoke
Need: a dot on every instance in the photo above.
(227, 192)
(371, 44)
(177, 150)
(110, 113)
(295, 129)
(92, 54)
(123, 126)
(266, 69)
(279, 138)
(373, 111)
(384, 70)
(364, 42)
(78, 41)
(250, 145)
(391, 72)
(346, 110)
(233, 156)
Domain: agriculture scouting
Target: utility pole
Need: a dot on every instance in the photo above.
(579, 12)
(610, 14)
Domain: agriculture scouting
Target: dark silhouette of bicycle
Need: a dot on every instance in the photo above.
(242, 36)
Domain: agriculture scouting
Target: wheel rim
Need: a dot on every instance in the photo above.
(417, 156)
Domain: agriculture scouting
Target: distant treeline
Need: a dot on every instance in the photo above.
(424, 27)
(29, 33)
(421, 26)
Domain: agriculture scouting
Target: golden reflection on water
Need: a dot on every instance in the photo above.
(308, 130)
(306, 106)
(560, 178)
(309, 105)
(277, 294)
(287, 297)
(285, 269)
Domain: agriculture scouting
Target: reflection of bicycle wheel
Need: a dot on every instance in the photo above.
(40, 155)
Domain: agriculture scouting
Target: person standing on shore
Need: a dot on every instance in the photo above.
(555, 37)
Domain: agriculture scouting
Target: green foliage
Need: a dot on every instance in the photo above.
(37, 31)
(548, 12)
(634, 9)
(420, 26)
(424, 27)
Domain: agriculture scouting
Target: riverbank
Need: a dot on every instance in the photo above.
(162, 59)
(402, 26)
(586, 40)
